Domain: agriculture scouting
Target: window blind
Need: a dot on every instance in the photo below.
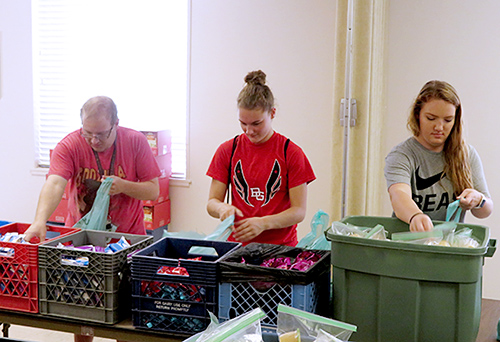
(135, 52)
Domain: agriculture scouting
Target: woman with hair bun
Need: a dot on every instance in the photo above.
(435, 167)
(267, 172)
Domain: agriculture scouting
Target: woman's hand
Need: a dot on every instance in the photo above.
(421, 223)
(470, 199)
(226, 210)
(247, 229)
(407, 210)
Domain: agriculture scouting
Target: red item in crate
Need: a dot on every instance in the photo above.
(180, 271)
(19, 272)
(157, 215)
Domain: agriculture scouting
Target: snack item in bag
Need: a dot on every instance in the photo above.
(291, 336)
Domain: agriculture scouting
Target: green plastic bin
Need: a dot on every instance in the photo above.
(397, 291)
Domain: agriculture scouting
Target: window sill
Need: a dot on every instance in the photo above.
(177, 182)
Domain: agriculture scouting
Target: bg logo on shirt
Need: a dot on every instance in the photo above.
(273, 185)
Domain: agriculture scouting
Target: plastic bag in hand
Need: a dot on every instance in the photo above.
(97, 217)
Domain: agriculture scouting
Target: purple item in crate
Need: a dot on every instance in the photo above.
(267, 263)
(99, 249)
(302, 265)
(283, 263)
(85, 248)
(305, 260)
(308, 255)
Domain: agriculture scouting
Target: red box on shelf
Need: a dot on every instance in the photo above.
(159, 141)
(157, 215)
(164, 192)
(19, 269)
(59, 215)
(165, 164)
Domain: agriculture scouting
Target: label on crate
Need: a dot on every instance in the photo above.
(172, 306)
(74, 261)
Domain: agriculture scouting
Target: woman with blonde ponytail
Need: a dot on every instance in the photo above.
(435, 167)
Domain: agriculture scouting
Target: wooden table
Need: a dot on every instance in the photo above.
(121, 331)
(490, 314)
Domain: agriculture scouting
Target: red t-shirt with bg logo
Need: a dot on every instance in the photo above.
(261, 179)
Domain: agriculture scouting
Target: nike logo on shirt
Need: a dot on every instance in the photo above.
(424, 183)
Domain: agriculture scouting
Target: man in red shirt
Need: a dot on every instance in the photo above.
(84, 157)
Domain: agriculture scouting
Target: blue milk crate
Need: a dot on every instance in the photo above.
(176, 303)
(244, 287)
(238, 298)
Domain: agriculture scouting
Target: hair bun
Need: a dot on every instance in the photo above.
(256, 77)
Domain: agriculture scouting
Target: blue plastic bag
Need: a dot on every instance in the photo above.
(97, 217)
(453, 212)
(316, 238)
(221, 232)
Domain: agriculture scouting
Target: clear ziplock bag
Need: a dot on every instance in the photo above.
(307, 325)
(214, 322)
(377, 233)
(244, 328)
(323, 336)
(348, 229)
(97, 217)
(433, 237)
(316, 238)
(463, 238)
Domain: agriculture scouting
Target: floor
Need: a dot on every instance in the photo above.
(29, 334)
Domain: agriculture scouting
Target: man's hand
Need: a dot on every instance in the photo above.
(117, 185)
(36, 229)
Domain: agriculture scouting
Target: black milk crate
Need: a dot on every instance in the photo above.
(245, 286)
(99, 292)
(177, 304)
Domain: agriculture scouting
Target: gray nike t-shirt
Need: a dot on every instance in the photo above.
(412, 164)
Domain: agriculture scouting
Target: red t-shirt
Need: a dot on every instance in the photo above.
(74, 160)
(261, 179)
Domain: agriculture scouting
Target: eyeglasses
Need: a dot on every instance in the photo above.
(98, 136)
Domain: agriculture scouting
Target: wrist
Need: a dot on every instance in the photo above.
(481, 202)
(413, 216)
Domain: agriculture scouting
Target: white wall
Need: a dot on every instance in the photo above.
(19, 188)
(458, 42)
(292, 41)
